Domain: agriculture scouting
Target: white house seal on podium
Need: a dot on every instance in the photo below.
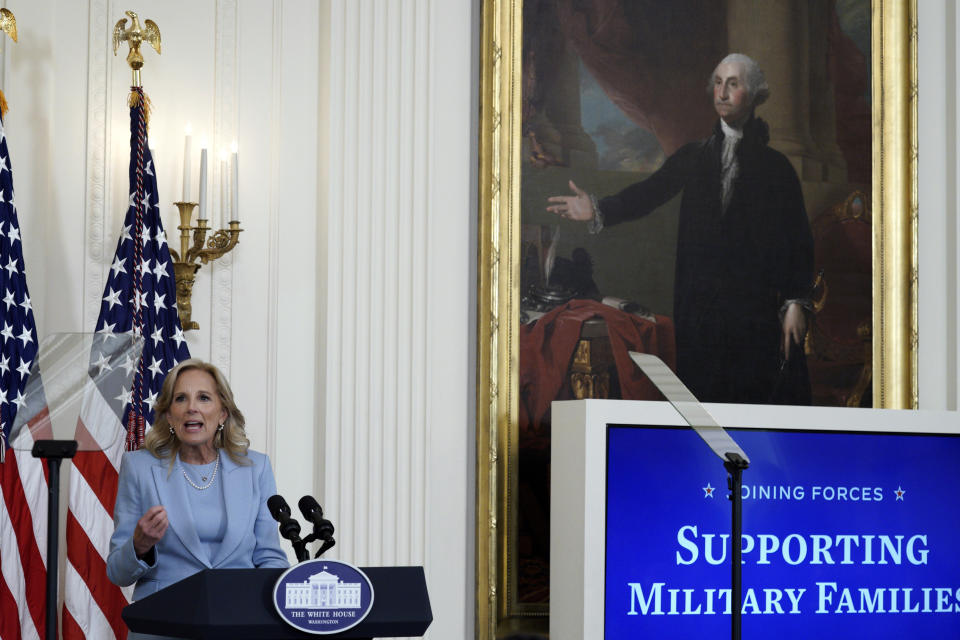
(323, 596)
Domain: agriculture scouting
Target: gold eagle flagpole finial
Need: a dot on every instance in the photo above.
(149, 33)
(8, 24)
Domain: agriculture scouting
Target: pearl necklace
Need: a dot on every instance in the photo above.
(212, 477)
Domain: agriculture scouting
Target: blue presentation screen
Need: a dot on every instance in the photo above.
(845, 535)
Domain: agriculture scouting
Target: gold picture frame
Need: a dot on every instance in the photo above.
(894, 195)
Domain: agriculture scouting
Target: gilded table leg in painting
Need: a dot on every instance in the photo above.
(589, 372)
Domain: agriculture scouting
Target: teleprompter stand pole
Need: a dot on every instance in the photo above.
(735, 465)
(53, 451)
(735, 460)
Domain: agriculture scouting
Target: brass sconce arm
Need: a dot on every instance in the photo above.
(195, 254)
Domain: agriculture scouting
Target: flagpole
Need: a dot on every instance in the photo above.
(136, 425)
(134, 36)
(17, 477)
(8, 24)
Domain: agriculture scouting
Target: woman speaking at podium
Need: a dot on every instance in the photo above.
(192, 497)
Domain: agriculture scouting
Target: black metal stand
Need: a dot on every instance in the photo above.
(735, 465)
(53, 451)
(322, 528)
(327, 538)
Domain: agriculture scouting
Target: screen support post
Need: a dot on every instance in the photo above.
(734, 461)
(735, 465)
(53, 451)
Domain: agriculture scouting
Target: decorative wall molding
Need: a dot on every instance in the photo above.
(375, 464)
(226, 103)
(97, 178)
(272, 302)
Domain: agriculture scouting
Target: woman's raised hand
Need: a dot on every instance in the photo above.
(150, 529)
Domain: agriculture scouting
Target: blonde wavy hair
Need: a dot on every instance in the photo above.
(232, 438)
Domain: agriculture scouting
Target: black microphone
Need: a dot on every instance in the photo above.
(289, 528)
(322, 528)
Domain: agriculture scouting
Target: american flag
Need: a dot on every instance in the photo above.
(140, 296)
(23, 507)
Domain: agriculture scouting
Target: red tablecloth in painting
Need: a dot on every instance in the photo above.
(547, 346)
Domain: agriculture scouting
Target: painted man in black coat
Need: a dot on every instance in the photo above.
(744, 249)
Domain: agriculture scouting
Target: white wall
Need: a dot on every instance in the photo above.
(938, 204)
(68, 131)
(399, 309)
(344, 319)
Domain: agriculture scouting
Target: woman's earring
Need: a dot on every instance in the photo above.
(172, 431)
(220, 428)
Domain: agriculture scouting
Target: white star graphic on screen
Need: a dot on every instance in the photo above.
(158, 302)
(24, 369)
(7, 332)
(161, 238)
(144, 266)
(9, 299)
(5, 364)
(26, 304)
(118, 267)
(131, 204)
(157, 336)
(113, 297)
(178, 336)
(103, 362)
(3, 396)
(900, 493)
(147, 168)
(160, 271)
(11, 267)
(25, 336)
(146, 202)
(125, 234)
(3, 164)
(708, 491)
(14, 234)
(19, 400)
(145, 237)
(151, 399)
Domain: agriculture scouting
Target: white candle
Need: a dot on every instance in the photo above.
(186, 165)
(203, 180)
(223, 189)
(234, 183)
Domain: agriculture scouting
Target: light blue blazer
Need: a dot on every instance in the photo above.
(251, 538)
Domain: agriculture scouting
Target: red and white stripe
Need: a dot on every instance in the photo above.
(23, 544)
(92, 604)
